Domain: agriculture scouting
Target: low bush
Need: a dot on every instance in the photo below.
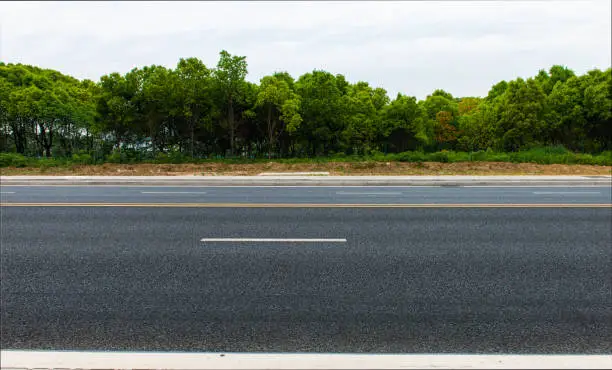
(82, 158)
(539, 155)
(13, 160)
(172, 158)
(411, 157)
(438, 157)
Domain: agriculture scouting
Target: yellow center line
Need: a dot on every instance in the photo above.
(311, 205)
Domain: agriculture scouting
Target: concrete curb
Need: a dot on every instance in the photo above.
(144, 360)
(311, 180)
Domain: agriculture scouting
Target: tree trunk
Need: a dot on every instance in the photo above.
(192, 136)
(46, 142)
(50, 141)
(231, 125)
(119, 146)
(19, 136)
(37, 138)
(270, 131)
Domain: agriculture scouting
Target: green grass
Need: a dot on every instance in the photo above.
(546, 155)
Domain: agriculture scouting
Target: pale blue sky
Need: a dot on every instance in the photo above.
(412, 47)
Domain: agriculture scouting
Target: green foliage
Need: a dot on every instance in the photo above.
(125, 155)
(13, 160)
(544, 155)
(411, 157)
(114, 157)
(173, 157)
(82, 158)
(438, 157)
(193, 113)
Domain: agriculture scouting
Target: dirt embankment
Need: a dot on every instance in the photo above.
(334, 168)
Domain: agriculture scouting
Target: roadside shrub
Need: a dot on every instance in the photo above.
(378, 156)
(381, 157)
(114, 157)
(539, 155)
(438, 157)
(557, 149)
(13, 160)
(544, 155)
(171, 158)
(605, 158)
(82, 158)
(126, 155)
(340, 157)
(49, 162)
(411, 157)
(458, 157)
(599, 160)
(497, 157)
(478, 156)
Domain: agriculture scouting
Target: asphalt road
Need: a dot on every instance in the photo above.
(304, 194)
(394, 280)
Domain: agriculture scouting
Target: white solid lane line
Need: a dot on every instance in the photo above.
(566, 192)
(173, 192)
(368, 193)
(272, 240)
(7, 192)
(243, 361)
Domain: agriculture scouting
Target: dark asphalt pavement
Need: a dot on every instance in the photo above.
(520, 280)
(313, 194)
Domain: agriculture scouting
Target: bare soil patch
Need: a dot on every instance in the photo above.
(334, 168)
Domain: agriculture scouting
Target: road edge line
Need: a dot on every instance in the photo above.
(208, 360)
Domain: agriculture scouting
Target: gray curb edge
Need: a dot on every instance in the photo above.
(310, 180)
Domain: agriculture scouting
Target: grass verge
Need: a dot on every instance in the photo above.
(543, 161)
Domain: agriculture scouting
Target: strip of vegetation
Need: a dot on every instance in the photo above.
(210, 113)
(546, 155)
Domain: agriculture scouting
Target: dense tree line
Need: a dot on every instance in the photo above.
(202, 112)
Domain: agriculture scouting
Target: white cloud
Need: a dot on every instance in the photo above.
(412, 47)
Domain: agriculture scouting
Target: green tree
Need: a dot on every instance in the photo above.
(201, 111)
(477, 126)
(404, 124)
(195, 104)
(5, 119)
(566, 118)
(115, 107)
(230, 74)
(442, 113)
(556, 74)
(522, 110)
(362, 117)
(321, 110)
(497, 91)
(281, 106)
(598, 108)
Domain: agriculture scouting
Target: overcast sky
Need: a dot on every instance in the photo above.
(411, 47)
